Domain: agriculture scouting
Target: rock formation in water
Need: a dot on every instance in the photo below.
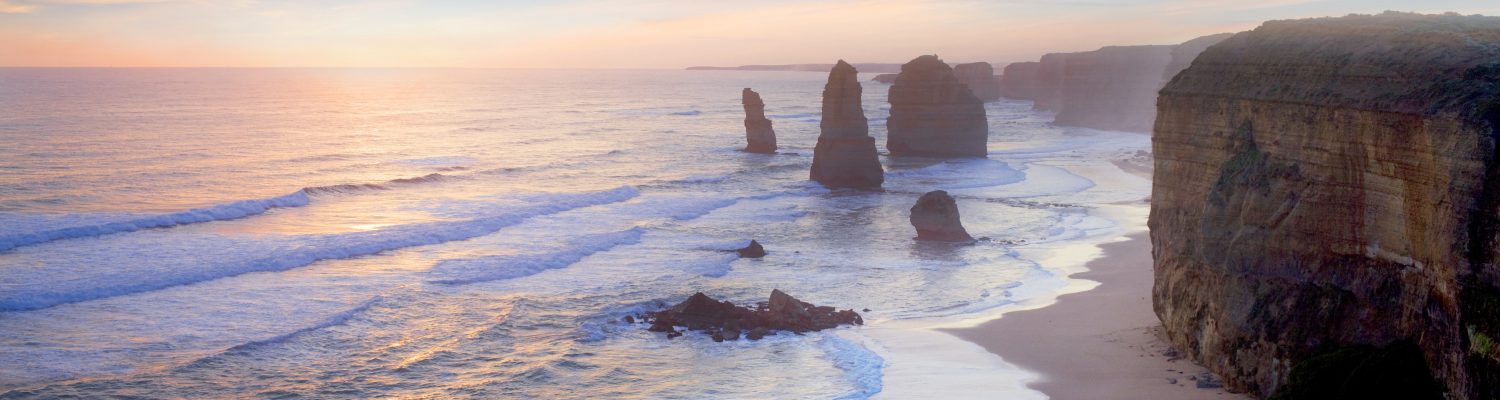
(981, 79)
(723, 320)
(933, 114)
(1113, 88)
(845, 155)
(1326, 209)
(759, 137)
(1019, 81)
(936, 218)
(885, 78)
(754, 250)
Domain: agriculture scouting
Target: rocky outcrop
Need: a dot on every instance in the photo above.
(1328, 191)
(1113, 88)
(885, 78)
(754, 250)
(1019, 81)
(981, 79)
(759, 137)
(845, 155)
(933, 114)
(723, 320)
(936, 218)
(1049, 82)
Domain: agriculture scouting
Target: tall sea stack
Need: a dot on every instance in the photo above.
(1325, 218)
(980, 77)
(933, 114)
(845, 155)
(759, 137)
(1049, 82)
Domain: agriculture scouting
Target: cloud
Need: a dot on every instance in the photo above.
(7, 7)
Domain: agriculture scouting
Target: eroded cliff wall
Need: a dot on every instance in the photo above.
(1327, 184)
(1113, 88)
(1019, 81)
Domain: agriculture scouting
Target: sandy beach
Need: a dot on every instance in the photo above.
(1100, 343)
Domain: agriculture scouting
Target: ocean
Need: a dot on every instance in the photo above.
(362, 233)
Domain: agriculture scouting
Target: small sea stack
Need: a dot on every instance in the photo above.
(933, 114)
(754, 250)
(759, 137)
(1019, 81)
(845, 156)
(936, 218)
(885, 78)
(981, 79)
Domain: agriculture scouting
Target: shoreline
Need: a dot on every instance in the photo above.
(1097, 343)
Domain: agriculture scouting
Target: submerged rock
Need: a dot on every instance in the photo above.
(933, 114)
(936, 218)
(723, 320)
(981, 79)
(845, 155)
(759, 137)
(1328, 191)
(754, 250)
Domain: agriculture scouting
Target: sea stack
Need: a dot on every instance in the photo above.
(1049, 82)
(845, 156)
(980, 77)
(1327, 193)
(933, 114)
(759, 137)
(936, 218)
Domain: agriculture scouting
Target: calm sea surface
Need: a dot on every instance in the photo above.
(481, 233)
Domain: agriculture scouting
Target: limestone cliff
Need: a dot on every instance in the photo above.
(1184, 54)
(1019, 81)
(845, 155)
(980, 77)
(1049, 82)
(1113, 88)
(759, 137)
(933, 114)
(1328, 190)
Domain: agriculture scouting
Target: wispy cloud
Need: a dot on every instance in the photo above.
(7, 7)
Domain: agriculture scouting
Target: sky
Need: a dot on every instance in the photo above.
(620, 34)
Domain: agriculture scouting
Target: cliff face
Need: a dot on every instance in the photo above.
(1184, 54)
(1113, 87)
(1049, 82)
(759, 137)
(933, 114)
(980, 77)
(845, 155)
(1019, 81)
(1328, 184)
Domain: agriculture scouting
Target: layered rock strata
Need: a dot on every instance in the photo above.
(935, 216)
(845, 155)
(933, 114)
(1328, 191)
(981, 79)
(759, 136)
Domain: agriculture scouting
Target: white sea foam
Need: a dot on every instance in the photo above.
(862, 367)
(234, 210)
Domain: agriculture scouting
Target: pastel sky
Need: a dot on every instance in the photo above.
(620, 34)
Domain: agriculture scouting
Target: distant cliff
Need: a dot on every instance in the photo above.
(863, 67)
(981, 79)
(1113, 87)
(1019, 81)
(1326, 208)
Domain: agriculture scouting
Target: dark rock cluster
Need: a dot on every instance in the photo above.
(723, 320)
